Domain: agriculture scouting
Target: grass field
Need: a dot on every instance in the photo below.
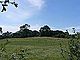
(37, 48)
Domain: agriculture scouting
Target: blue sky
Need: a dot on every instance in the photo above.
(58, 14)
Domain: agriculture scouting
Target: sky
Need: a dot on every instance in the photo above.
(57, 14)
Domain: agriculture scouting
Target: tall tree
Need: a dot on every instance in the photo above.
(26, 26)
(45, 31)
(67, 34)
(73, 30)
(6, 3)
(23, 32)
(7, 34)
(0, 30)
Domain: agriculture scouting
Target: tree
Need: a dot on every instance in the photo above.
(73, 52)
(73, 30)
(58, 34)
(16, 34)
(74, 33)
(6, 2)
(0, 30)
(26, 26)
(35, 33)
(45, 31)
(7, 34)
(66, 34)
(23, 32)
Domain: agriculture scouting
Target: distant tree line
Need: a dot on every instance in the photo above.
(44, 31)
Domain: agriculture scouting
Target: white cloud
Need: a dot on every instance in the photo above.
(9, 28)
(77, 29)
(35, 27)
(14, 28)
(70, 30)
(37, 3)
(15, 17)
(18, 15)
(23, 12)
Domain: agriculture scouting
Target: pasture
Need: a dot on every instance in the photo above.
(37, 48)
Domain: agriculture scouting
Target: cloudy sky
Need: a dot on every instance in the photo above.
(58, 14)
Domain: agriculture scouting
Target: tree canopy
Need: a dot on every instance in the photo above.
(44, 31)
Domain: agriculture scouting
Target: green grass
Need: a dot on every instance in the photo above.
(39, 48)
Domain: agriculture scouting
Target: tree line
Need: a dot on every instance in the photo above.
(44, 31)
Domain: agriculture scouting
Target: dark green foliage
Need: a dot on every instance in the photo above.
(59, 34)
(6, 3)
(35, 33)
(67, 34)
(23, 33)
(0, 29)
(26, 26)
(44, 31)
(73, 52)
(7, 35)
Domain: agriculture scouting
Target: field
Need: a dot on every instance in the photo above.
(37, 48)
